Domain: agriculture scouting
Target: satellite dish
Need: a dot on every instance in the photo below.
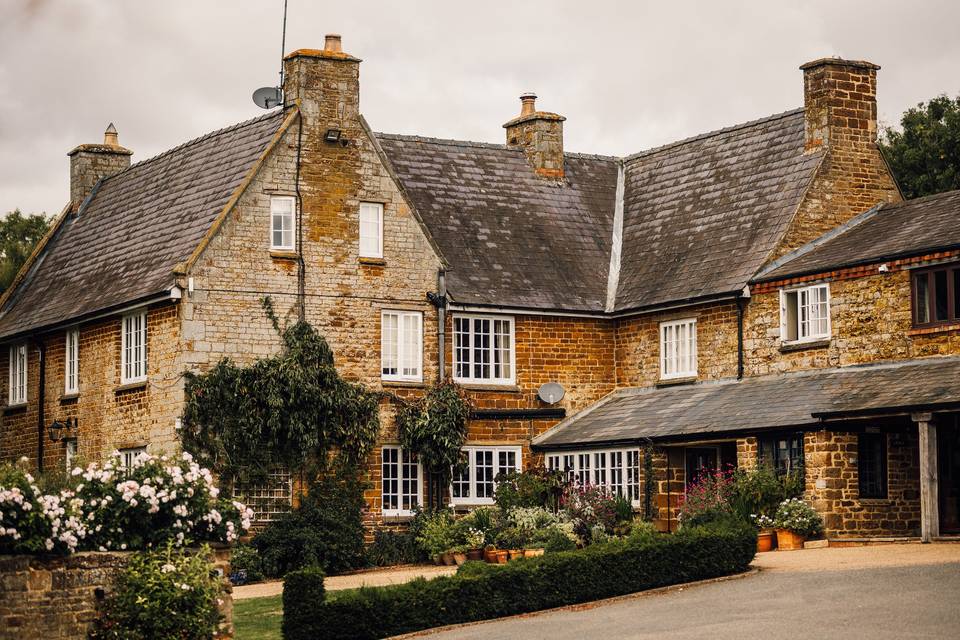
(551, 392)
(268, 97)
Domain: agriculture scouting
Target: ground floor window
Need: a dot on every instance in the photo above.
(872, 465)
(616, 469)
(400, 481)
(476, 483)
(70, 453)
(783, 451)
(270, 498)
(130, 455)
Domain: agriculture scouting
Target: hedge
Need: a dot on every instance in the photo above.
(481, 592)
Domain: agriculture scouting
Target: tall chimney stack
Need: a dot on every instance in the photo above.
(540, 135)
(89, 163)
(840, 102)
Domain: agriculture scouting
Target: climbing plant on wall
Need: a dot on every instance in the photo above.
(435, 427)
(291, 409)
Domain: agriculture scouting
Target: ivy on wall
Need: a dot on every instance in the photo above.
(291, 409)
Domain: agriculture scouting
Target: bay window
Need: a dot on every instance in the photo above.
(476, 482)
(483, 349)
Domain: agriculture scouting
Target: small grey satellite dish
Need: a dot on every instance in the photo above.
(551, 392)
(267, 97)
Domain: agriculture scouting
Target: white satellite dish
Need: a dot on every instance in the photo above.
(551, 392)
(268, 97)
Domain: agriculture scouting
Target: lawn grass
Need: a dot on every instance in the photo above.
(260, 618)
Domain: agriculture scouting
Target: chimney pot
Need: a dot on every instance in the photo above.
(332, 43)
(110, 136)
(528, 103)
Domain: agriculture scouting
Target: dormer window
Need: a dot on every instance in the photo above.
(936, 295)
(805, 314)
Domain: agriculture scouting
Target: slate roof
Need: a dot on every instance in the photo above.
(702, 215)
(914, 227)
(764, 402)
(511, 238)
(140, 224)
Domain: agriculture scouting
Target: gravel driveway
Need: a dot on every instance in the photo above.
(893, 591)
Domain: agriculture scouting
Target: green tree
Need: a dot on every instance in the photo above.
(19, 234)
(925, 152)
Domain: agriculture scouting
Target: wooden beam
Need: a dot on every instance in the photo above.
(929, 478)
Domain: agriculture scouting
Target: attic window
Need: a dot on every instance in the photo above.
(282, 223)
(805, 314)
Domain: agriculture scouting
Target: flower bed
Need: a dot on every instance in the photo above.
(480, 592)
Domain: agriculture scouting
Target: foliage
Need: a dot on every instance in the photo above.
(531, 518)
(246, 567)
(164, 594)
(588, 506)
(925, 154)
(797, 516)
(291, 409)
(531, 584)
(759, 492)
(19, 234)
(641, 530)
(649, 483)
(707, 498)
(513, 538)
(325, 531)
(111, 507)
(537, 487)
(438, 533)
(485, 520)
(393, 547)
(435, 427)
(622, 508)
(553, 539)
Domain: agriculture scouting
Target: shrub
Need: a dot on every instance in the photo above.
(245, 565)
(487, 520)
(437, 533)
(393, 547)
(707, 498)
(797, 516)
(513, 538)
(303, 585)
(325, 531)
(622, 508)
(760, 491)
(531, 518)
(553, 539)
(163, 594)
(111, 507)
(589, 506)
(532, 584)
(537, 487)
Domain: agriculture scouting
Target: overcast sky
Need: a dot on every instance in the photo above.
(627, 75)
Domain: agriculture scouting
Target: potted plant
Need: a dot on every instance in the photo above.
(513, 540)
(474, 544)
(490, 554)
(533, 552)
(795, 522)
(765, 535)
(459, 554)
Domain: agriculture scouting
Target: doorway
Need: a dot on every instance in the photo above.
(948, 469)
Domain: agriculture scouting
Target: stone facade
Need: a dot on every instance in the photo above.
(58, 596)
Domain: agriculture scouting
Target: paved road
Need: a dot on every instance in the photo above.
(900, 600)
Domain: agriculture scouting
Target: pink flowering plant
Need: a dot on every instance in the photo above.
(111, 507)
(707, 497)
(590, 508)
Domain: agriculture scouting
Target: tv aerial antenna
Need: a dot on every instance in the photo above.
(270, 97)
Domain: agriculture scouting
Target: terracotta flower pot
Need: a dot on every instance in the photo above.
(490, 555)
(532, 553)
(502, 556)
(788, 540)
(447, 558)
(475, 554)
(516, 553)
(764, 541)
(459, 557)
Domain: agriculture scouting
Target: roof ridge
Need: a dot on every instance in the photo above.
(709, 134)
(932, 196)
(198, 140)
(483, 145)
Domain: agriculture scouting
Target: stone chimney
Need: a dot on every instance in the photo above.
(840, 101)
(91, 162)
(540, 135)
(327, 84)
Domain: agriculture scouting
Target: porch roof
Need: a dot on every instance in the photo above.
(799, 399)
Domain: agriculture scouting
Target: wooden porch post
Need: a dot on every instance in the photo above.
(929, 478)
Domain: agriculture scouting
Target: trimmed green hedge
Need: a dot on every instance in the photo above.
(483, 592)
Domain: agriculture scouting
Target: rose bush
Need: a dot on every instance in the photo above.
(112, 507)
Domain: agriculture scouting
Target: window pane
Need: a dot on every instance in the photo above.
(461, 483)
(370, 231)
(923, 298)
(940, 295)
(633, 475)
(484, 472)
(390, 473)
(871, 465)
(583, 469)
(388, 344)
(461, 347)
(481, 349)
(411, 345)
(956, 293)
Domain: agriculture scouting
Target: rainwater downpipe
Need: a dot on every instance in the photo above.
(741, 302)
(441, 325)
(301, 265)
(41, 427)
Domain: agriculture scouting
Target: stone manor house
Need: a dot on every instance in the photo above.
(755, 294)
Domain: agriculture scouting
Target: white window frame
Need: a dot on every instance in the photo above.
(404, 464)
(129, 455)
(17, 368)
(70, 449)
(471, 470)
(786, 321)
(283, 217)
(370, 252)
(595, 467)
(133, 370)
(71, 362)
(470, 352)
(400, 345)
(684, 365)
